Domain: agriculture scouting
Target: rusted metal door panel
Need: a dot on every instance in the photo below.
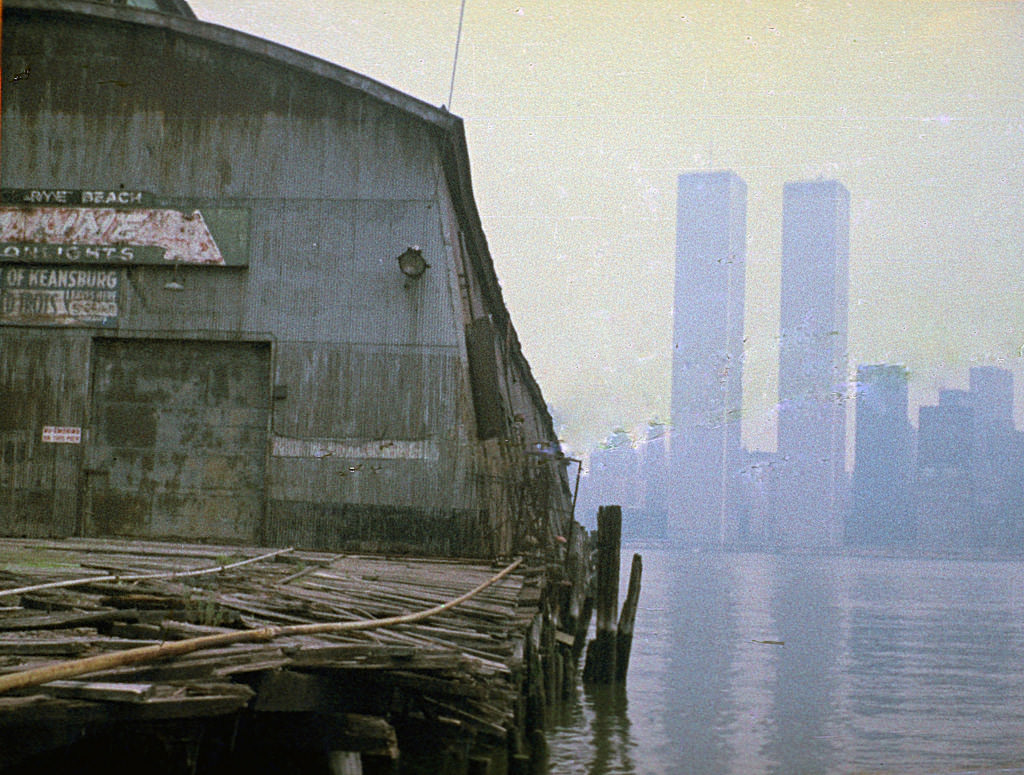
(178, 442)
(41, 413)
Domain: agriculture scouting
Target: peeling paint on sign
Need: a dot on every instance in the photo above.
(105, 234)
(63, 297)
(380, 450)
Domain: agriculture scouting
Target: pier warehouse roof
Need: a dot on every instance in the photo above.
(204, 321)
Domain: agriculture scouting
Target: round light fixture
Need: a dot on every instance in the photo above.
(412, 263)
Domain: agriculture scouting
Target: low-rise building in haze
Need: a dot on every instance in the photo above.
(945, 488)
(882, 513)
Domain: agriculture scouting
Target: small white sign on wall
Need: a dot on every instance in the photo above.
(62, 434)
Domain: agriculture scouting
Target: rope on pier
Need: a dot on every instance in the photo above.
(143, 654)
(141, 576)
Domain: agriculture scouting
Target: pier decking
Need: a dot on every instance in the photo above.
(458, 675)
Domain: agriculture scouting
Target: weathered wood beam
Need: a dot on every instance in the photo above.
(624, 634)
(105, 691)
(288, 691)
(600, 664)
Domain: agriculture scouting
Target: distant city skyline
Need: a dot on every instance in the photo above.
(956, 485)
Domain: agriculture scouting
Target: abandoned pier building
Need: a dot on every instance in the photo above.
(246, 297)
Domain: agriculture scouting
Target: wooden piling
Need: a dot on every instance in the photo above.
(345, 763)
(600, 663)
(538, 752)
(519, 764)
(624, 636)
(582, 628)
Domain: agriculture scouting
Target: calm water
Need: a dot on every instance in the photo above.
(885, 666)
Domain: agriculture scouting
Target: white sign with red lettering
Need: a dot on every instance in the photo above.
(62, 434)
(106, 234)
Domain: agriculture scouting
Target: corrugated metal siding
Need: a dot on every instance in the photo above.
(216, 122)
(327, 271)
(527, 494)
(491, 414)
(209, 300)
(373, 427)
(382, 529)
(349, 391)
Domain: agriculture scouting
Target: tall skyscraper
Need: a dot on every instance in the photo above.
(813, 361)
(707, 357)
(882, 513)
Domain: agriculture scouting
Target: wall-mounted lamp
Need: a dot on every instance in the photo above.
(412, 263)
(175, 283)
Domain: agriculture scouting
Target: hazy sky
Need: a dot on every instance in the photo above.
(580, 114)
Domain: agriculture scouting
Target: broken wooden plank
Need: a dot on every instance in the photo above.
(369, 735)
(106, 691)
(429, 684)
(43, 648)
(66, 619)
(188, 707)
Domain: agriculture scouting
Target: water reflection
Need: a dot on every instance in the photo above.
(601, 741)
(803, 608)
(613, 748)
(774, 664)
(704, 640)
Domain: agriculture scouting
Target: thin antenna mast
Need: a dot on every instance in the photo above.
(1, 66)
(455, 62)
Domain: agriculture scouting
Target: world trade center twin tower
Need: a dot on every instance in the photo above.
(712, 491)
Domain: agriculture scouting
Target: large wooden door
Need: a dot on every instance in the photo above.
(42, 408)
(177, 447)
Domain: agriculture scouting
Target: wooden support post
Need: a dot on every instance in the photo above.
(538, 752)
(549, 650)
(345, 763)
(568, 675)
(600, 664)
(582, 628)
(453, 759)
(564, 672)
(624, 636)
(519, 764)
